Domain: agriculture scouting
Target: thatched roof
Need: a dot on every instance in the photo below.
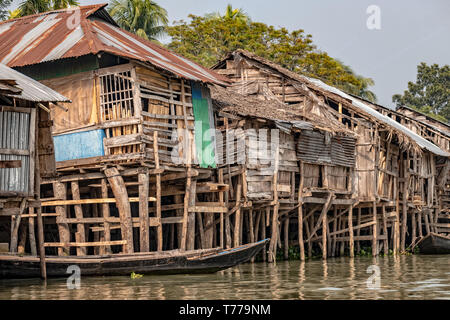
(229, 101)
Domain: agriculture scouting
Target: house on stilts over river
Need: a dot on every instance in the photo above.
(134, 174)
(26, 157)
(398, 177)
(155, 154)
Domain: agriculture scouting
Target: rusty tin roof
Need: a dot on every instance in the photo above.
(83, 30)
(16, 85)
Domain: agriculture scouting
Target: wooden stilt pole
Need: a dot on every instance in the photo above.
(324, 235)
(358, 232)
(350, 230)
(191, 217)
(159, 230)
(123, 205)
(374, 231)
(250, 225)
(385, 232)
(41, 243)
(414, 226)
(335, 220)
(32, 235)
(405, 205)
(237, 215)
(419, 222)
(222, 203)
(106, 214)
(187, 197)
(286, 239)
(263, 230)
(144, 186)
(59, 190)
(300, 212)
(79, 215)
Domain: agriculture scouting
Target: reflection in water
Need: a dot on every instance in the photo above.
(402, 277)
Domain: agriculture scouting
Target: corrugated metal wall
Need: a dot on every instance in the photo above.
(14, 134)
(318, 148)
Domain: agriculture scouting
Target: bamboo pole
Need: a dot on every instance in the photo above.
(237, 215)
(158, 191)
(300, 212)
(143, 212)
(350, 230)
(374, 231)
(79, 215)
(221, 200)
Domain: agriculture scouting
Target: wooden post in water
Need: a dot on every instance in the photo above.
(123, 205)
(374, 231)
(300, 212)
(158, 193)
(385, 232)
(237, 215)
(144, 186)
(79, 215)
(350, 230)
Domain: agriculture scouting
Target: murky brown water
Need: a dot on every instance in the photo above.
(404, 277)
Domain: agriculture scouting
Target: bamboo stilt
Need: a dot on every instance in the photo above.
(350, 230)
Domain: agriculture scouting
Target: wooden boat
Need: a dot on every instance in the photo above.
(434, 243)
(167, 262)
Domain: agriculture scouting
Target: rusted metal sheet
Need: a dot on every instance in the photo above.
(16, 85)
(14, 135)
(323, 148)
(89, 30)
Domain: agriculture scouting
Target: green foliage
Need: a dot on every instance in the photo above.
(230, 13)
(145, 18)
(61, 4)
(430, 94)
(136, 275)
(208, 39)
(3, 9)
(29, 7)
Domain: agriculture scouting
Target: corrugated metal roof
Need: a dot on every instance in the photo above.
(90, 30)
(29, 89)
(422, 142)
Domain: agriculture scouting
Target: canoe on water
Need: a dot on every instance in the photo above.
(167, 262)
(434, 243)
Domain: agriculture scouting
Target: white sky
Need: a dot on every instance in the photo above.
(412, 31)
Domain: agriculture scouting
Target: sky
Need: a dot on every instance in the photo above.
(411, 31)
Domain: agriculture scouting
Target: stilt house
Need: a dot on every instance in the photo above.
(395, 168)
(138, 135)
(26, 156)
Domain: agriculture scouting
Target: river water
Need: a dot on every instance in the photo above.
(403, 277)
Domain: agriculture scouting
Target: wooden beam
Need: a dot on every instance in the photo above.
(143, 212)
(79, 214)
(123, 205)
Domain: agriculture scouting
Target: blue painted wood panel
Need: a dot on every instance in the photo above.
(80, 145)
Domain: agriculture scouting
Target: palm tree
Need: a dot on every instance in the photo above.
(61, 4)
(230, 13)
(145, 18)
(29, 7)
(3, 9)
(235, 14)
